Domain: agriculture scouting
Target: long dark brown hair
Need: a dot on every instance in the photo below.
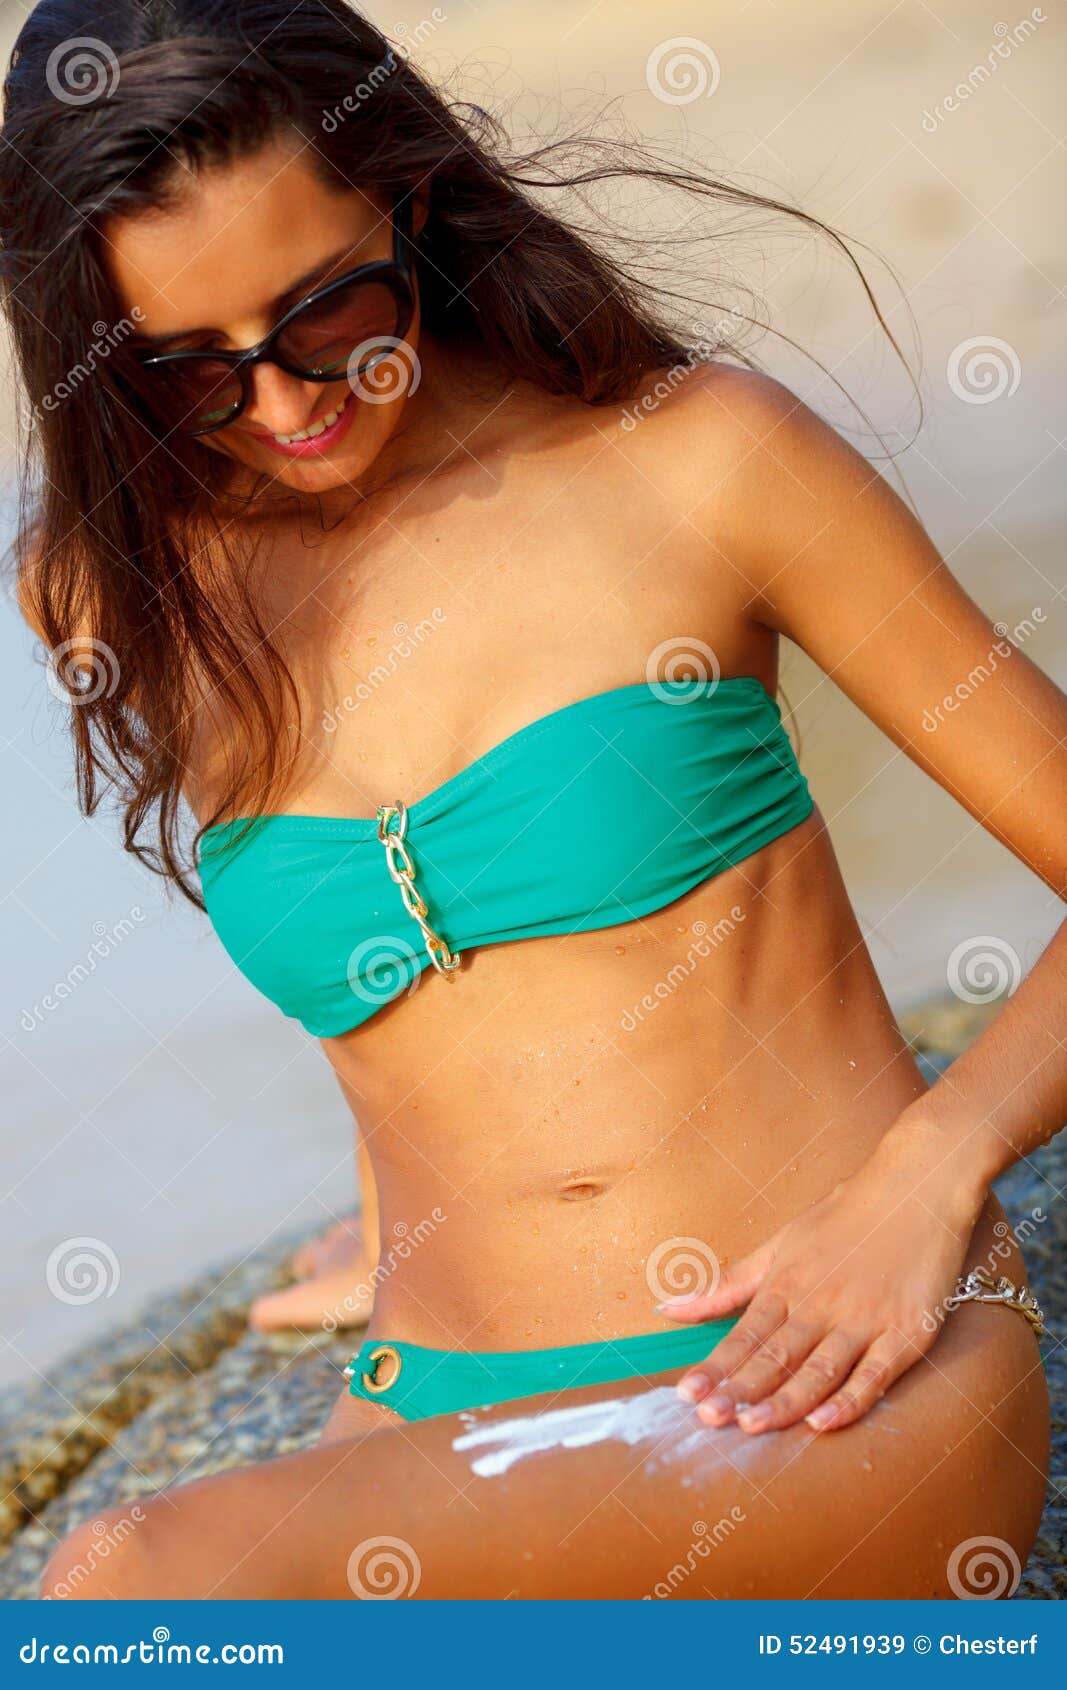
(105, 101)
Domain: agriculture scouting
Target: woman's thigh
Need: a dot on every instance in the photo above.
(618, 1491)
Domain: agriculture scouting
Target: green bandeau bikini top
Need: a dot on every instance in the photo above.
(594, 815)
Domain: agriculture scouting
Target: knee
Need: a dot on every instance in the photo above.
(104, 1559)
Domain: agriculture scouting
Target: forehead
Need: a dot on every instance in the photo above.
(236, 237)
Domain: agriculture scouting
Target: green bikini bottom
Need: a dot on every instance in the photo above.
(417, 1383)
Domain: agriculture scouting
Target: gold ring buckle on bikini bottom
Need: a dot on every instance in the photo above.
(979, 1286)
(372, 1381)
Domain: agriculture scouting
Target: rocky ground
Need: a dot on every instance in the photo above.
(187, 1389)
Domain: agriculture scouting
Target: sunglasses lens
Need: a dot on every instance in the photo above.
(365, 317)
(196, 394)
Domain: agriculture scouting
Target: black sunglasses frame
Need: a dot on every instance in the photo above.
(397, 273)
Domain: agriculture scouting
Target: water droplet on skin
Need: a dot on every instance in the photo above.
(620, 1296)
(868, 1466)
(620, 950)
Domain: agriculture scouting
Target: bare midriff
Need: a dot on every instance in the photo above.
(569, 1128)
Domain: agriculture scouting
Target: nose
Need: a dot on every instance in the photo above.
(281, 403)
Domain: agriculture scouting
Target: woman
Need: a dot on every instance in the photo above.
(450, 604)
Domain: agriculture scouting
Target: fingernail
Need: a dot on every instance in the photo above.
(694, 1386)
(753, 1419)
(820, 1417)
(718, 1407)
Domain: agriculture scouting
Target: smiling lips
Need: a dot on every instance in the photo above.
(321, 436)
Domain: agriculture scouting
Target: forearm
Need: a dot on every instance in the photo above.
(1007, 1094)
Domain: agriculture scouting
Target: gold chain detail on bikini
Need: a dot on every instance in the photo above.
(400, 866)
(979, 1286)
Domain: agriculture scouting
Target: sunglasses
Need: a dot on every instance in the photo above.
(359, 316)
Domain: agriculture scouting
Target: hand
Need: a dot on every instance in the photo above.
(841, 1301)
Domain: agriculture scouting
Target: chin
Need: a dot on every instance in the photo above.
(316, 476)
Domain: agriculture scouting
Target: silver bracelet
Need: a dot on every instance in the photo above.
(979, 1286)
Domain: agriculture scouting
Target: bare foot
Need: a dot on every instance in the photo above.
(335, 1291)
(339, 1243)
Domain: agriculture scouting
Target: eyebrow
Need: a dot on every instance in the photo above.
(281, 302)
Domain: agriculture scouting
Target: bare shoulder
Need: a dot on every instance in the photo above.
(752, 465)
(754, 425)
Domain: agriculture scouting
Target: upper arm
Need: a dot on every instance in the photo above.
(839, 564)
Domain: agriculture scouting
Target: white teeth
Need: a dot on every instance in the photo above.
(316, 428)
